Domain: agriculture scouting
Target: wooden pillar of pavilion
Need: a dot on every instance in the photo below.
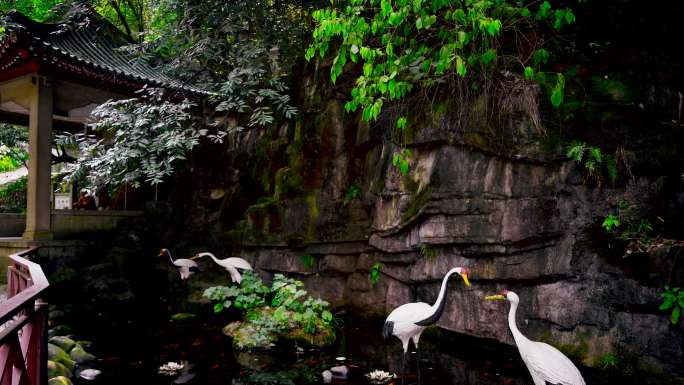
(39, 193)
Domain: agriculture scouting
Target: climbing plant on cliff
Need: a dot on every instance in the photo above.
(403, 46)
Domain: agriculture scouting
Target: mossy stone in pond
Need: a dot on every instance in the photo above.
(59, 330)
(183, 317)
(56, 369)
(81, 356)
(60, 380)
(57, 354)
(63, 342)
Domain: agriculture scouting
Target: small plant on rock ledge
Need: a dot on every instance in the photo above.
(428, 251)
(611, 223)
(353, 192)
(402, 160)
(307, 260)
(594, 162)
(375, 273)
(629, 224)
(673, 298)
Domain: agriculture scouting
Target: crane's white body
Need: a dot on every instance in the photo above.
(545, 363)
(230, 264)
(404, 320)
(408, 321)
(185, 266)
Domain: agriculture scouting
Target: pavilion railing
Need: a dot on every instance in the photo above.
(23, 323)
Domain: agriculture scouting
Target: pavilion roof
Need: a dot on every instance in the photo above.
(82, 54)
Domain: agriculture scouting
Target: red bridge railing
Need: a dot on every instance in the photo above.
(23, 323)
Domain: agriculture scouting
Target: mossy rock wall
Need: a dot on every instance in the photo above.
(500, 199)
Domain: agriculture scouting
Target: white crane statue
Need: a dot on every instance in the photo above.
(409, 320)
(185, 266)
(230, 264)
(545, 363)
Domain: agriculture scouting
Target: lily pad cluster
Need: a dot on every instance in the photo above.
(284, 310)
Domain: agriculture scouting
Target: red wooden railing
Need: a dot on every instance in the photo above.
(23, 323)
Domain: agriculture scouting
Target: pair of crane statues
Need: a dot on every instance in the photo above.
(546, 364)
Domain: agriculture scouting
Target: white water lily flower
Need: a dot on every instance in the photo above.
(380, 377)
(170, 368)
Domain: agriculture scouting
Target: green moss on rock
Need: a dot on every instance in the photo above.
(79, 355)
(60, 380)
(417, 202)
(57, 354)
(56, 369)
(63, 342)
(183, 317)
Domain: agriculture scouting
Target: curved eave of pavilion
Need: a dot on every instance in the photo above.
(81, 57)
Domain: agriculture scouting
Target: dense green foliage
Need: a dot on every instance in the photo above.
(146, 141)
(13, 197)
(593, 161)
(8, 162)
(239, 51)
(13, 143)
(404, 45)
(283, 310)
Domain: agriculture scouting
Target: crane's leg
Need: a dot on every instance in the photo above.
(418, 363)
(403, 359)
(415, 339)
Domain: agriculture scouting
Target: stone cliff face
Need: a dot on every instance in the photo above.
(491, 197)
(488, 198)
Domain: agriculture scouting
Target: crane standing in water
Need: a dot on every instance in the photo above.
(545, 363)
(408, 321)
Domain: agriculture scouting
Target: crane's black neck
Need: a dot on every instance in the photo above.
(440, 305)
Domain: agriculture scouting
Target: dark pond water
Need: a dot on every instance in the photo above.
(444, 358)
(130, 354)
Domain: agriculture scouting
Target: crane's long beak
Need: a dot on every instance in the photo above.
(465, 279)
(498, 297)
(194, 257)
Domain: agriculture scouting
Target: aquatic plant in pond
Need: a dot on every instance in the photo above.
(380, 377)
(285, 310)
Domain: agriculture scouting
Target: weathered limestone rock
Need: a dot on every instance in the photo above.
(486, 198)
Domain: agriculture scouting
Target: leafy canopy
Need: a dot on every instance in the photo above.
(404, 44)
(142, 141)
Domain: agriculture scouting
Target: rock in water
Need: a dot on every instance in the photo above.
(59, 330)
(327, 376)
(63, 342)
(57, 354)
(183, 317)
(339, 371)
(56, 369)
(81, 356)
(89, 374)
(60, 380)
